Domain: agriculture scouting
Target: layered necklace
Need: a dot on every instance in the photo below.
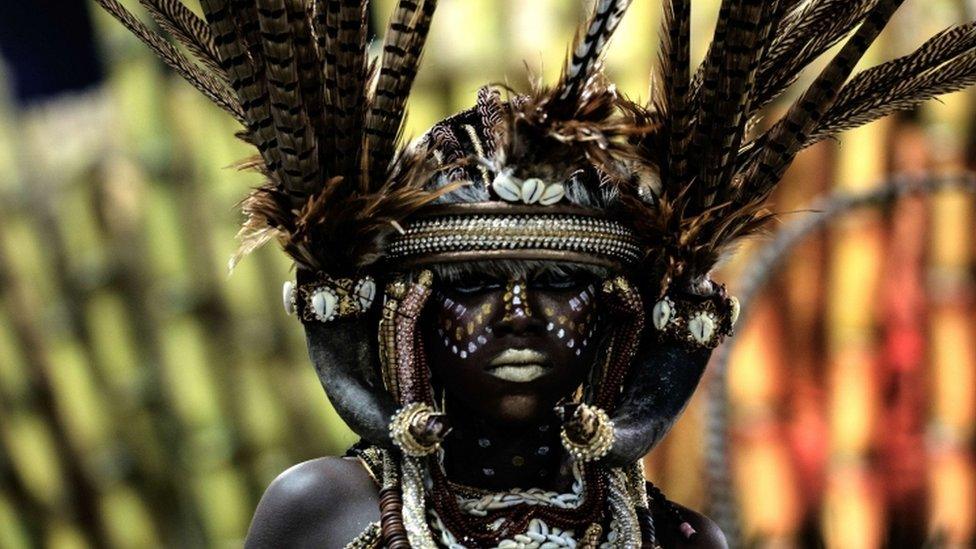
(625, 507)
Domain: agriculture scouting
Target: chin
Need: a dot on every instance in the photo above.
(519, 409)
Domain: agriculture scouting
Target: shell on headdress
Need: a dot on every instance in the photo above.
(324, 303)
(532, 190)
(365, 292)
(553, 193)
(736, 310)
(702, 328)
(662, 313)
(288, 297)
(506, 187)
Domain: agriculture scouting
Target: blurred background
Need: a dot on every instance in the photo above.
(147, 398)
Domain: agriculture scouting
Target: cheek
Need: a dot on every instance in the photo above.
(572, 320)
(462, 329)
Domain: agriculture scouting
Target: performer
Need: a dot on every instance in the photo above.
(513, 310)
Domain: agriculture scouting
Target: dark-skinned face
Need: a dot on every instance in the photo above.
(509, 350)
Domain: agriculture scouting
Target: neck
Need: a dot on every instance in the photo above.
(496, 457)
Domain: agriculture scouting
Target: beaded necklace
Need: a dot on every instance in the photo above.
(423, 527)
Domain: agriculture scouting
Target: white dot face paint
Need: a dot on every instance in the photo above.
(469, 327)
(462, 330)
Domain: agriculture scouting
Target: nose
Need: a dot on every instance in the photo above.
(517, 317)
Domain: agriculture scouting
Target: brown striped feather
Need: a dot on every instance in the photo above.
(188, 29)
(786, 138)
(210, 87)
(296, 142)
(587, 55)
(402, 48)
(246, 77)
(352, 86)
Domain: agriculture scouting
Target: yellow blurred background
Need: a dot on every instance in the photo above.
(147, 398)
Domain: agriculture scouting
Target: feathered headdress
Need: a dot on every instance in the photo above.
(569, 172)
(324, 119)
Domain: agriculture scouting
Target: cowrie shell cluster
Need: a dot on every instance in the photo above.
(703, 326)
(528, 191)
(325, 303)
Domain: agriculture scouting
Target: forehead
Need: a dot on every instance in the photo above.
(448, 273)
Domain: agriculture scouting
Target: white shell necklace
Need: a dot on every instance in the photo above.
(624, 529)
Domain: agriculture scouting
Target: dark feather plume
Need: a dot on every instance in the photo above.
(309, 65)
(209, 86)
(729, 79)
(944, 64)
(807, 31)
(351, 86)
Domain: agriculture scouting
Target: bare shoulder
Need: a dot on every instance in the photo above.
(323, 503)
(707, 534)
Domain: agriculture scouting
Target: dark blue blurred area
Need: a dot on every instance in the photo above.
(49, 47)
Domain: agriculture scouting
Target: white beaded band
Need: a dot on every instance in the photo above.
(535, 235)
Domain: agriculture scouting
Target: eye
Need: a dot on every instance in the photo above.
(476, 285)
(556, 281)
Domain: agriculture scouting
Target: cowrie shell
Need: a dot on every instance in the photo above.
(552, 194)
(532, 190)
(507, 188)
(662, 314)
(324, 303)
(736, 310)
(288, 297)
(702, 328)
(365, 293)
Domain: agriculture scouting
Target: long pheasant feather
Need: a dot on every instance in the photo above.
(864, 105)
(246, 77)
(325, 21)
(675, 75)
(296, 142)
(351, 84)
(892, 75)
(188, 29)
(807, 31)
(309, 65)
(405, 39)
(205, 83)
(786, 138)
(728, 84)
(590, 44)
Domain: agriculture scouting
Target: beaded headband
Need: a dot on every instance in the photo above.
(490, 230)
